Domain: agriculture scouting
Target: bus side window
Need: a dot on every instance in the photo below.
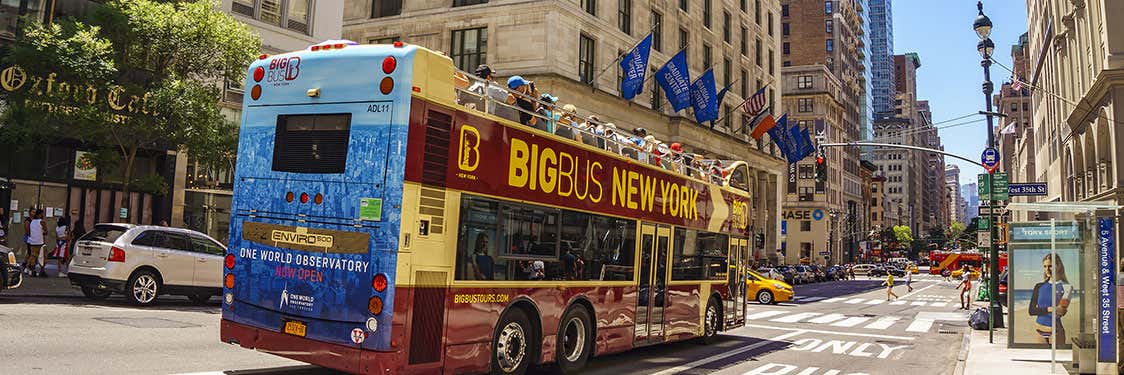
(739, 178)
(476, 248)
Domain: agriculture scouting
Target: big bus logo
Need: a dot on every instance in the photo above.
(283, 69)
(468, 157)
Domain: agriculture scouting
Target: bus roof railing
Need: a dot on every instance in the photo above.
(590, 130)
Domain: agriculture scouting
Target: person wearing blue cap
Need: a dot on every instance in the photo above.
(524, 97)
(548, 110)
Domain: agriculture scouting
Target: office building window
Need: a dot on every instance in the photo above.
(784, 48)
(461, 3)
(784, 10)
(743, 84)
(744, 5)
(804, 105)
(784, 28)
(684, 36)
(381, 8)
(804, 82)
(830, 45)
(706, 57)
(807, 194)
(757, 11)
(786, 63)
(772, 63)
(770, 24)
(296, 16)
(706, 13)
(745, 41)
(590, 6)
(828, 7)
(727, 73)
(384, 40)
(726, 27)
(657, 31)
(470, 48)
(657, 94)
(586, 56)
(683, 5)
(726, 109)
(757, 52)
(624, 16)
(829, 26)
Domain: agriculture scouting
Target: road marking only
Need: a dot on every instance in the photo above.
(804, 330)
(698, 363)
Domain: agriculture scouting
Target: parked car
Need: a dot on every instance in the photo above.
(804, 274)
(143, 262)
(818, 272)
(974, 273)
(1003, 288)
(788, 273)
(770, 273)
(862, 269)
(881, 271)
(767, 291)
(10, 273)
(835, 273)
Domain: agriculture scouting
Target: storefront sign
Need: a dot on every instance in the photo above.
(14, 78)
(84, 167)
(1044, 284)
(792, 178)
(1106, 319)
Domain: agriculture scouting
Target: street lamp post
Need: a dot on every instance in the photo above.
(982, 26)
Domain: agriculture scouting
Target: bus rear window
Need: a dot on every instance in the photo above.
(311, 143)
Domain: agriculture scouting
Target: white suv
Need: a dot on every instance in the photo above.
(143, 262)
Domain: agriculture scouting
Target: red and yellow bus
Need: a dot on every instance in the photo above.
(953, 261)
(450, 239)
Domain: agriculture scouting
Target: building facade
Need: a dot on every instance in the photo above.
(570, 49)
(882, 54)
(955, 200)
(1019, 106)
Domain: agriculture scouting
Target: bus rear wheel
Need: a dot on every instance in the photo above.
(511, 347)
(575, 336)
(711, 321)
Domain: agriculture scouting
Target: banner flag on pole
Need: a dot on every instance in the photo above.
(756, 103)
(635, 65)
(777, 134)
(794, 143)
(724, 90)
(703, 98)
(675, 80)
(767, 123)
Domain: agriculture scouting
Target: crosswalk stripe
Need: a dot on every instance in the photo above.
(917, 303)
(898, 302)
(854, 301)
(798, 298)
(920, 325)
(874, 302)
(794, 317)
(939, 304)
(813, 299)
(836, 299)
(763, 314)
(883, 322)
(850, 322)
(827, 318)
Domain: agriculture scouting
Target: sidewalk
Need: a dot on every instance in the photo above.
(978, 357)
(50, 286)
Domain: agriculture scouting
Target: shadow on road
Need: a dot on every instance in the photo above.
(169, 303)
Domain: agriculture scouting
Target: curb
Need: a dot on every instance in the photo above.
(962, 356)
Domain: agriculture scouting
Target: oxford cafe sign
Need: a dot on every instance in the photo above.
(36, 88)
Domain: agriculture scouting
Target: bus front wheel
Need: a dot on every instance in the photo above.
(574, 340)
(711, 322)
(511, 347)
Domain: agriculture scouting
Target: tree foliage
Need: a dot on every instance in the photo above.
(135, 75)
(903, 234)
(956, 229)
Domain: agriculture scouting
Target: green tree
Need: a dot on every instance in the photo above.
(903, 234)
(135, 75)
(955, 230)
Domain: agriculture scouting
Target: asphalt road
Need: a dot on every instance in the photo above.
(834, 328)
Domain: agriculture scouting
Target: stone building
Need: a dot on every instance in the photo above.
(570, 48)
(1017, 148)
(956, 200)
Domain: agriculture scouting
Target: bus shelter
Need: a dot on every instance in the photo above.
(1063, 279)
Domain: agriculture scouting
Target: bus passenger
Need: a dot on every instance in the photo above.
(612, 140)
(536, 270)
(523, 97)
(676, 158)
(482, 263)
(549, 114)
(568, 123)
(494, 92)
(591, 132)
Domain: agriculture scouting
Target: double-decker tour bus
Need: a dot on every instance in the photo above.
(384, 224)
(953, 260)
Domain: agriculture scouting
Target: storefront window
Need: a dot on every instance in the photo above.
(10, 14)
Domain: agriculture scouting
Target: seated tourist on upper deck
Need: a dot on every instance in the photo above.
(568, 125)
(676, 157)
(612, 139)
(524, 97)
(548, 112)
(487, 86)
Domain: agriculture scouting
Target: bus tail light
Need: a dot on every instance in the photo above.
(116, 254)
(318, 199)
(386, 86)
(374, 305)
(259, 74)
(379, 283)
(289, 197)
(228, 281)
(399, 44)
(389, 64)
(255, 92)
(304, 197)
(229, 261)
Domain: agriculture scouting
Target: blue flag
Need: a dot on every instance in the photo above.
(634, 65)
(795, 143)
(809, 148)
(703, 98)
(675, 80)
(777, 134)
(724, 90)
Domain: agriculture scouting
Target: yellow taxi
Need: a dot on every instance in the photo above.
(913, 269)
(974, 274)
(767, 291)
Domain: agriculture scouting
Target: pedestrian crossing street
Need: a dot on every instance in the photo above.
(918, 300)
(921, 324)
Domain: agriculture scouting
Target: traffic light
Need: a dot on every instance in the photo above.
(821, 166)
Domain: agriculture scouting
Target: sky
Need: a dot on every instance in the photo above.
(950, 76)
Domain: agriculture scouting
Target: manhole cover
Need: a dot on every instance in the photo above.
(147, 322)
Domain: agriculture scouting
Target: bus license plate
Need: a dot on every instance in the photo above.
(295, 328)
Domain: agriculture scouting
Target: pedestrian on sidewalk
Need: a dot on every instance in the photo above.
(36, 231)
(61, 252)
(889, 283)
(908, 281)
(3, 227)
(965, 292)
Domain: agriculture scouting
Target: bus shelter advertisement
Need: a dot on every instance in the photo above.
(507, 162)
(1045, 287)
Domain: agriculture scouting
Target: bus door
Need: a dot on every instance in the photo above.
(738, 264)
(655, 242)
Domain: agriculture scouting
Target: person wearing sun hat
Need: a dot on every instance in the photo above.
(568, 126)
(524, 96)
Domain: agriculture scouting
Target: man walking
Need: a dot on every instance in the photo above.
(36, 232)
(908, 281)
